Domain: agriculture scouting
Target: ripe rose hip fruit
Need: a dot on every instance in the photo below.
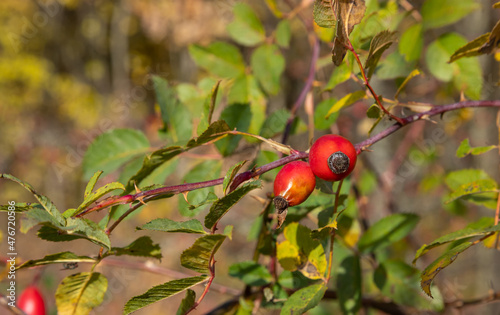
(293, 184)
(332, 157)
(31, 301)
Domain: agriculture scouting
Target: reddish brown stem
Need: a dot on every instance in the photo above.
(437, 110)
(207, 286)
(367, 83)
(362, 146)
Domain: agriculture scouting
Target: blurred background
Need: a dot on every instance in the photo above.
(73, 69)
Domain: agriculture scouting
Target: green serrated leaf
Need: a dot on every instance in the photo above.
(349, 285)
(237, 116)
(20, 207)
(59, 258)
(45, 202)
(275, 123)
(466, 74)
(379, 44)
(455, 180)
(400, 282)
(471, 49)
(283, 33)
(167, 225)
(465, 149)
(374, 112)
(221, 206)
(203, 171)
(94, 196)
(251, 273)
(208, 108)
(76, 229)
(221, 59)
(320, 113)
(211, 134)
(36, 216)
(143, 247)
(438, 13)
(268, 64)
(187, 302)
(323, 14)
(477, 187)
(339, 75)
(160, 292)
(197, 257)
(459, 235)
(246, 28)
(78, 294)
(91, 184)
(175, 115)
(230, 174)
(387, 231)
(412, 42)
(493, 40)
(112, 149)
(481, 150)
(347, 100)
(304, 299)
(394, 66)
(211, 197)
(439, 264)
(151, 163)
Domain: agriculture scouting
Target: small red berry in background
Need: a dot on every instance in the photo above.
(293, 184)
(31, 301)
(332, 157)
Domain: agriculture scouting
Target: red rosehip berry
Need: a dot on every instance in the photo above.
(293, 184)
(31, 301)
(332, 157)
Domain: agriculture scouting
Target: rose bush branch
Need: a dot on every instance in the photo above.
(367, 83)
(296, 155)
(436, 110)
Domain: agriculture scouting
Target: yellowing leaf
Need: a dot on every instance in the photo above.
(301, 252)
(439, 264)
(347, 100)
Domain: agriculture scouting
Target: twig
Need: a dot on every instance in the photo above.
(5, 303)
(242, 177)
(207, 286)
(437, 110)
(307, 87)
(332, 237)
(367, 83)
(494, 297)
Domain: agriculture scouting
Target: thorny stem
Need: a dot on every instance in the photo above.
(334, 231)
(365, 79)
(436, 110)
(297, 155)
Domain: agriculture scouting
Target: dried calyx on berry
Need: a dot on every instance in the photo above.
(293, 184)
